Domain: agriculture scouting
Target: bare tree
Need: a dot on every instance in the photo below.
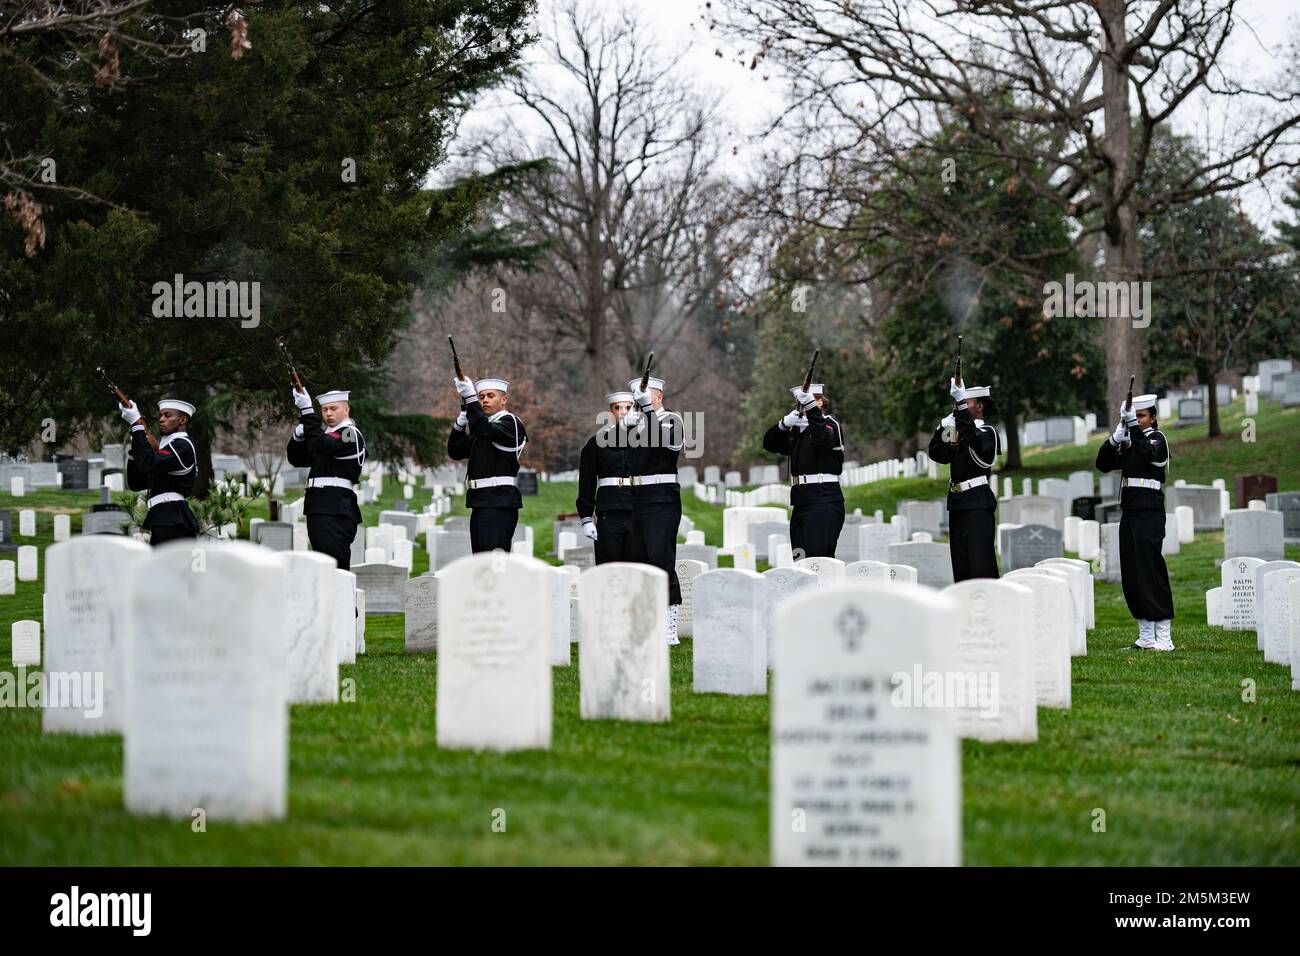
(1071, 91)
(627, 205)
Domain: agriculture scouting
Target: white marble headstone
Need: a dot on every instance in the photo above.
(623, 650)
(8, 576)
(343, 625)
(25, 643)
(494, 654)
(996, 653)
(780, 585)
(312, 657)
(730, 654)
(1273, 614)
(1081, 586)
(829, 571)
(863, 772)
(87, 628)
(1214, 607)
(27, 523)
(1237, 578)
(1052, 630)
(688, 570)
(420, 607)
(561, 626)
(27, 555)
(206, 707)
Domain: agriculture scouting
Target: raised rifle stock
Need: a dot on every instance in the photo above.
(124, 401)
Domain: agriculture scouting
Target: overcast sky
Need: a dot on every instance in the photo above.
(1255, 50)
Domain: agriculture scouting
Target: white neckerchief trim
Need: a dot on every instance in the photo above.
(519, 445)
(167, 440)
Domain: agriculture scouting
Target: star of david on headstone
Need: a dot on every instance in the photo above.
(851, 624)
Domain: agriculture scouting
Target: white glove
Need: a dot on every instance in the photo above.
(632, 419)
(805, 399)
(794, 420)
(958, 392)
(465, 389)
(1121, 434)
(949, 422)
(129, 413)
(1128, 416)
(302, 400)
(643, 399)
(589, 528)
(297, 432)
(462, 420)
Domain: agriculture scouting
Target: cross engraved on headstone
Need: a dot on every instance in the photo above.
(892, 574)
(851, 624)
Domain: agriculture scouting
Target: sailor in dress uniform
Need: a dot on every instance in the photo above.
(333, 447)
(492, 437)
(166, 472)
(969, 446)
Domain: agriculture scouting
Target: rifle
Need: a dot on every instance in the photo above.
(807, 380)
(1128, 402)
(645, 377)
(959, 381)
(455, 361)
(293, 372)
(124, 401)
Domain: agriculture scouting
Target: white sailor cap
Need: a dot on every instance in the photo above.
(635, 383)
(977, 391)
(816, 388)
(495, 384)
(185, 408)
(338, 395)
(1143, 401)
(613, 397)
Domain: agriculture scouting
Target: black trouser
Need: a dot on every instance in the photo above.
(174, 532)
(1142, 567)
(614, 531)
(333, 535)
(815, 528)
(970, 543)
(492, 528)
(654, 540)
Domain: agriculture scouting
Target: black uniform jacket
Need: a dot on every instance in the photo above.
(493, 445)
(817, 449)
(336, 452)
(1146, 455)
(973, 454)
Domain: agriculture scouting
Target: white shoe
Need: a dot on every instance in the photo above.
(1146, 636)
(672, 626)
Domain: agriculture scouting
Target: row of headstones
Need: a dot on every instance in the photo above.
(865, 675)
(1263, 596)
(193, 655)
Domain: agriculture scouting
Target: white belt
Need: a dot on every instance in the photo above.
(614, 483)
(329, 483)
(491, 482)
(654, 479)
(968, 485)
(1151, 483)
(813, 479)
(165, 497)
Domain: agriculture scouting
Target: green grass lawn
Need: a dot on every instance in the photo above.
(1186, 771)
